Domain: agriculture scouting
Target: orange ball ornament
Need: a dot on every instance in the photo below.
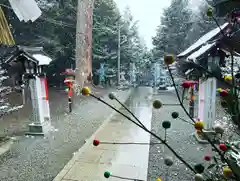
(199, 125)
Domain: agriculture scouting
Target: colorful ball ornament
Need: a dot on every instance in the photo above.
(228, 145)
(186, 85)
(207, 158)
(168, 161)
(107, 174)
(168, 59)
(228, 78)
(227, 172)
(224, 93)
(219, 89)
(86, 91)
(175, 115)
(223, 147)
(166, 124)
(111, 96)
(199, 125)
(209, 12)
(66, 89)
(96, 142)
(198, 177)
(219, 129)
(199, 168)
(158, 179)
(157, 104)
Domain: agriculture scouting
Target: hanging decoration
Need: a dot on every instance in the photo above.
(26, 10)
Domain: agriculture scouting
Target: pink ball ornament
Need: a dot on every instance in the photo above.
(223, 93)
(207, 158)
(223, 147)
(186, 84)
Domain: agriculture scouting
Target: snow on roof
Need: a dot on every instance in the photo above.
(42, 59)
(199, 52)
(203, 40)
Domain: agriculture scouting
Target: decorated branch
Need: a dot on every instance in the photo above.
(221, 164)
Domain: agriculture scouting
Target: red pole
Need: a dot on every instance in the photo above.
(46, 88)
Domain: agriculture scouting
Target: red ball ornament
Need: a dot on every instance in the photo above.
(224, 93)
(96, 142)
(223, 147)
(207, 157)
(186, 84)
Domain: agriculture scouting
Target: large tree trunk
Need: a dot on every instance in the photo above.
(84, 42)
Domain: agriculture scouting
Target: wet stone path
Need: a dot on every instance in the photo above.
(122, 160)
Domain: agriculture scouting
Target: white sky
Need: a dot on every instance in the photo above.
(148, 13)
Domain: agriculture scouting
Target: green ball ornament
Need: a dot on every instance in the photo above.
(228, 145)
(168, 161)
(107, 174)
(175, 115)
(210, 12)
(166, 124)
(199, 168)
(198, 177)
(157, 104)
(231, 92)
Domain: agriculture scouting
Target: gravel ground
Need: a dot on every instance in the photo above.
(16, 123)
(180, 137)
(41, 158)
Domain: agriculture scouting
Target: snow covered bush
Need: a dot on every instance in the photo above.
(5, 106)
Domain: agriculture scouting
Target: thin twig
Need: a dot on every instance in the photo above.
(204, 134)
(153, 134)
(130, 112)
(129, 143)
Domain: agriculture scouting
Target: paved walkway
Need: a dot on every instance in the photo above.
(130, 161)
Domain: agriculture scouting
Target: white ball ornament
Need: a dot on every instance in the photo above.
(111, 96)
(219, 129)
(199, 177)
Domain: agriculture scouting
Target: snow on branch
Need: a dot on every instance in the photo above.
(5, 107)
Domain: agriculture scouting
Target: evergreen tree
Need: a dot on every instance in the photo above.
(202, 24)
(105, 32)
(171, 35)
(55, 30)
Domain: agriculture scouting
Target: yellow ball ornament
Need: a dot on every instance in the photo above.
(228, 78)
(86, 91)
(219, 89)
(158, 179)
(227, 172)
